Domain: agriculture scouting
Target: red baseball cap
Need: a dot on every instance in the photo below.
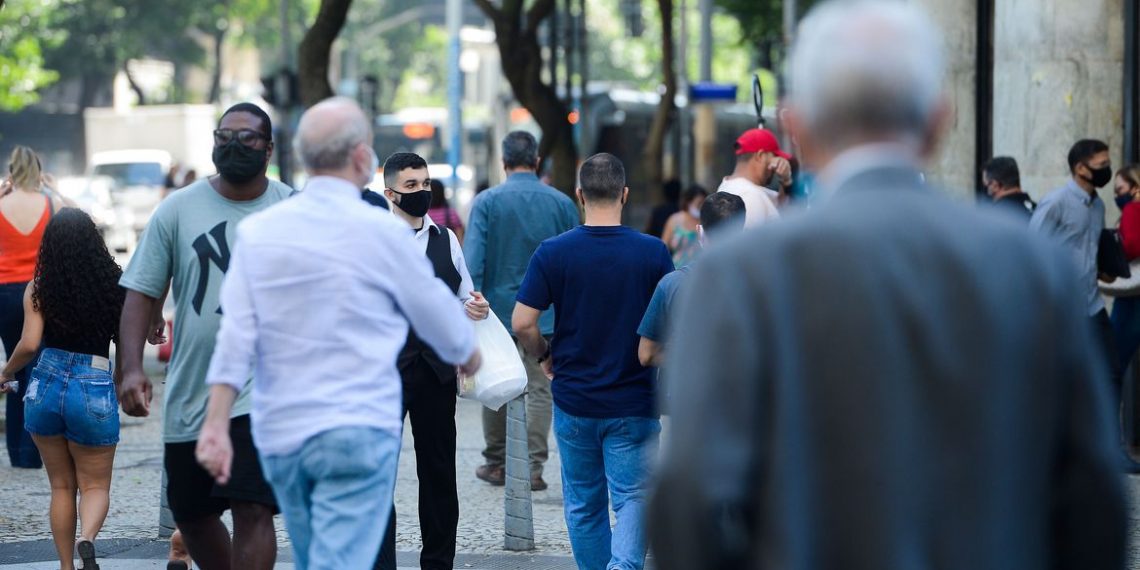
(759, 140)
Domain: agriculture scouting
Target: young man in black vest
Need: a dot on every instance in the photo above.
(429, 383)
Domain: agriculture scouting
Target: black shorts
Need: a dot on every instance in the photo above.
(192, 493)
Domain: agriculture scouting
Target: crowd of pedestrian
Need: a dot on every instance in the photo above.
(860, 383)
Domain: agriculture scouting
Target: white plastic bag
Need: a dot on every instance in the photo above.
(502, 377)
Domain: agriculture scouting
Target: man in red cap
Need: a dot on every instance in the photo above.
(758, 158)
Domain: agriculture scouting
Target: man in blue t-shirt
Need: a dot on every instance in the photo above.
(721, 214)
(599, 277)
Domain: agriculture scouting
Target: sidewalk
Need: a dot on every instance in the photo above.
(136, 554)
(130, 533)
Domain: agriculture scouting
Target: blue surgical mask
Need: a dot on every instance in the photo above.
(1123, 200)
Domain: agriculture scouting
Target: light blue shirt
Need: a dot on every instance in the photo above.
(1075, 218)
(506, 225)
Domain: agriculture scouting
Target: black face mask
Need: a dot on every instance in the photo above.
(238, 163)
(414, 204)
(1100, 176)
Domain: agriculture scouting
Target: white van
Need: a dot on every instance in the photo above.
(137, 182)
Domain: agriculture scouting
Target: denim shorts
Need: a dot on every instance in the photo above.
(73, 395)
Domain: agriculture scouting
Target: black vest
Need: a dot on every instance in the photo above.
(416, 352)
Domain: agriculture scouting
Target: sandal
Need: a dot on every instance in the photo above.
(86, 550)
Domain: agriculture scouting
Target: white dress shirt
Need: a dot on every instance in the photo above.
(759, 202)
(318, 298)
(421, 237)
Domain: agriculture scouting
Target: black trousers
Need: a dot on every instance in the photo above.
(1107, 344)
(431, 405)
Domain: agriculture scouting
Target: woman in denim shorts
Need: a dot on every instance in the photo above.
(71, 309)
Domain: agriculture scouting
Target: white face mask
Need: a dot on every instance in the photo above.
(695, 212)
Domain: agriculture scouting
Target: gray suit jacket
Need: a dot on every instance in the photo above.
(890, 381)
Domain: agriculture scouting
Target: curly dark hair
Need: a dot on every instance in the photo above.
(77, 280)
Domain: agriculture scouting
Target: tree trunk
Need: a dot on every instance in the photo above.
(655, 142)
(313, 55)
(516, 34)
(134, 86)
(216, 78)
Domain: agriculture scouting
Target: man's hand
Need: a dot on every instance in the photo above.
(215, 452)
(548, 368)
(783, 169)
(5, 386)
(472, 365)
(477, 307)
(1106, 277)
(135, 393)
(157, 333)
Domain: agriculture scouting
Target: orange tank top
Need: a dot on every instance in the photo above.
(18, 251)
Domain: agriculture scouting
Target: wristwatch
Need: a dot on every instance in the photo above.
(545, 356)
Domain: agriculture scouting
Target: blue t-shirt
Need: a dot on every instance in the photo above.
(600, 280)
(655, 324)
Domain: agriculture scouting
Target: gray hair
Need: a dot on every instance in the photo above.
(520, 150)
(328, 146)
(864, 69)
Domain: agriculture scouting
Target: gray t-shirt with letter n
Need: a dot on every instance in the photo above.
(188, 240)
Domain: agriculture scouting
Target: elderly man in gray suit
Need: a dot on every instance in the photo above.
(891, 380)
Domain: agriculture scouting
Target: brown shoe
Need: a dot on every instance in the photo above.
(493, 474)
(537, 484)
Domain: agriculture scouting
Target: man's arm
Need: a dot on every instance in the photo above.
(215, 451)
(135, 391)
(429, 305)
(475, 243)
(524, 321)
(649, 352)
(1044, 218)
(146, 279)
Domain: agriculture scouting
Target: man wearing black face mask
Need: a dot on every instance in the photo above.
(428, 382)
(188, 242)
(1074, 215)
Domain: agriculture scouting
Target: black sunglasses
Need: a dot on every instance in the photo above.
(247, 137)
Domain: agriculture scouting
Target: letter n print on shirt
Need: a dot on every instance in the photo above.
(206, 254)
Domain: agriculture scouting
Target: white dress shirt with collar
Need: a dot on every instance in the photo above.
(318, 298)
(421, 237)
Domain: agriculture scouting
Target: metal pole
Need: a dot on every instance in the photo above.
(454, 90)
(518, 521)
(789, 22)
(283, 148)
(685, 126)
(706, 8)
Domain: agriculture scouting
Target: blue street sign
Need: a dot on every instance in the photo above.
(712, 92)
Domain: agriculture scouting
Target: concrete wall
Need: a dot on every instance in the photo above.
(953, 168)
(1058, 68)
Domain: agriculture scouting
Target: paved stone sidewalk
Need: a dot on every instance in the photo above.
(25, 495)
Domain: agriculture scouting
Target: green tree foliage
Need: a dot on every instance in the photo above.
(762, 22)
(23, 30)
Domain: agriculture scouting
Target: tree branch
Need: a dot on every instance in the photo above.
(485, 6)
(313, 54)
(538, 13)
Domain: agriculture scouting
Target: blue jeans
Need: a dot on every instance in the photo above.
(336, 495)
(600, 455)
(73, 395)
(22, 450)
